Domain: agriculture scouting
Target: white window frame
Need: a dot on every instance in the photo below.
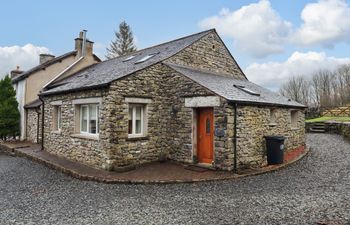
(133, 122)
(88, 132)
(56, 116)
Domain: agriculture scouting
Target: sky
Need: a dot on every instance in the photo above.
(271, 40)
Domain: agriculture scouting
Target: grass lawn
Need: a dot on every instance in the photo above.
(328, 118)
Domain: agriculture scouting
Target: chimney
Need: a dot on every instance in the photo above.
(82, 45)
(16, 72)
(43, 58)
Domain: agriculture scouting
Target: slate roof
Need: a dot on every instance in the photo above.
(34, 104)
(103, 73)
(227, 87)
(42, 66)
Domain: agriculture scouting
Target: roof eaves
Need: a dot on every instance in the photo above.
(42, 66)
(267, 104)
(74, 90)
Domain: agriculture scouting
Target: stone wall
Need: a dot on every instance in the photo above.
(66, 142)
(209, 53)
(169, 121)
(170, 127)
(32, 125)
(334, 127)
(253, 123)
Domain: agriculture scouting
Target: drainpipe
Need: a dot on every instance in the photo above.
(42, 123)
(235, 138)
(83, 47)
(37, 126)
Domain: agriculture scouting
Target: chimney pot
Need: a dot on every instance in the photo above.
(79, 45)
(15, 73)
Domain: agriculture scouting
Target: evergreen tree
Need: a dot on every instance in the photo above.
(9, 114)
(123, 43)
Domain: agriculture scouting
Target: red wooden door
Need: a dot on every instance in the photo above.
(205, 135)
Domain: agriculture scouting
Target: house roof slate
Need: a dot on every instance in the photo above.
(33, 104)
(107, 71)
(227, 87)
(42, 66)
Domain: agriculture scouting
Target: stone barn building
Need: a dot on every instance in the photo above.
(186, 100)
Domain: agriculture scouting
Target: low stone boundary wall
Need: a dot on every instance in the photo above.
(342, 128)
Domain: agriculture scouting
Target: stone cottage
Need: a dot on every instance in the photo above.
(186, 100)
(29, 83)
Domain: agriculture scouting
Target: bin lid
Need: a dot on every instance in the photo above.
(277, 138)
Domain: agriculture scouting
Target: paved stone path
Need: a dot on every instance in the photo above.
(315, 190)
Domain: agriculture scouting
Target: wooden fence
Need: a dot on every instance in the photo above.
(335, 111)
(339, 111)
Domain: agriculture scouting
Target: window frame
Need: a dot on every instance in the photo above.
(294, 114)
(56, 124)
(273, 117)
(133, 106)
(59, 117)
(88, 128)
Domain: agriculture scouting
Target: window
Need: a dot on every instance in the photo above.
(129, 58)
(247, 90)
(136, 120)
(89, 119)
(145, 58)
(57, 118)
(59, 126)
(294, 118)
(208, 126)
(273, 113)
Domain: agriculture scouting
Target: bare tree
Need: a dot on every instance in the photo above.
(322, 87)
(325, 88)
(297, 89)
(343, 80)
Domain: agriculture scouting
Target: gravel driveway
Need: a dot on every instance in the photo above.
(313, 190)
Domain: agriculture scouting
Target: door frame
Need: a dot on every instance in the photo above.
(195, 117)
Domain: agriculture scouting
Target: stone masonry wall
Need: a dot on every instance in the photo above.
(253, 123)
(170, 128)
(169, 121)
(209, 53)
(65, 142)
(32, 126)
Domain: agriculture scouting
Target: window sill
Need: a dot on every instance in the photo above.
(94, 137)
(56, 132)
(272, 124)
(137, 138)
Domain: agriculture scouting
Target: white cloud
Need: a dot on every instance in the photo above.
(274, 74)
(325, 22)
(257, 29)
(100, 50)
(26, 56)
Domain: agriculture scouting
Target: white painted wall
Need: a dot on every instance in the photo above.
(20, 96)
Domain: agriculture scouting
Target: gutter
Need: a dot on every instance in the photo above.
(42, 123)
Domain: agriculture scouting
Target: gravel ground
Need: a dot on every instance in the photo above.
(313, 190)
